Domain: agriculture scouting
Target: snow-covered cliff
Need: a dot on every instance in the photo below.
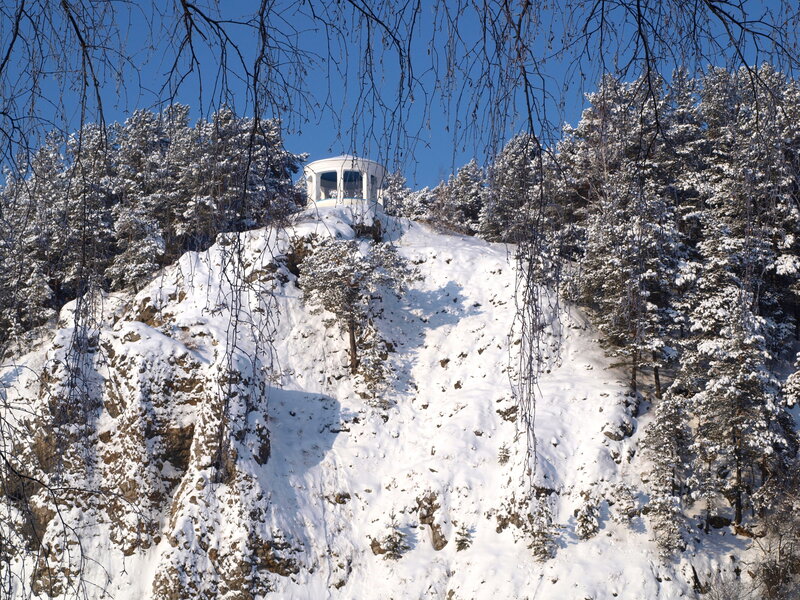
(194, 455)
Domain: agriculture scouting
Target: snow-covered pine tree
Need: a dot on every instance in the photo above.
(395, 544)
(627, 270)
(85, 238)
(208, 169)
(777, 568)
(235, 174)
(29, 260)
(587, 522)
(420, 203)
(463, 537)
(143, 179)
(459, 204)
(772, 123)
(267, 172)
(632, 243)
(42, 196)
(12, 268)
(736, 402)
(396, 196)
(791, 387)
(666, 445)
(344, 278)
(542, 529)
(742, 438)
(511, 186)
(142, 245)
(684, 154)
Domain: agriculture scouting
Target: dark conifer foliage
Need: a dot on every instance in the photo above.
(687, 264)
(110, 206)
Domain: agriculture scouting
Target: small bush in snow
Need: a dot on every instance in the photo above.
(463, 537)
(395, 544)
(503, 454)
(729, 587)
(624, 504)
(586, 517)
(542, 530)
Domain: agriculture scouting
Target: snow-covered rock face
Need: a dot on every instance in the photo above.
(210, 457)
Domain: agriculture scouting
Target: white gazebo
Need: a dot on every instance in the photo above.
(344, 178)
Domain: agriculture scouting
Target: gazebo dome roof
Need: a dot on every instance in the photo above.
(346, 161)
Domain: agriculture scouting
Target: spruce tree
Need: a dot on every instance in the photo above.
(632, 246)
(513, 181)
(666, 445)
(461, 200)
(342, 277)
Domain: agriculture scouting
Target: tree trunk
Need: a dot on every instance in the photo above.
(351, 330)
(634, 367)
(737, 505)
(737, 517)
(797, 321)
(657, 379)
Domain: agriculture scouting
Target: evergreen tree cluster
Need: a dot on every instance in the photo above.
(675, 210)
(455, 204)
(679, 221)
(108, 206)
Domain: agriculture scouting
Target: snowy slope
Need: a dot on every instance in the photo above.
(448, 450)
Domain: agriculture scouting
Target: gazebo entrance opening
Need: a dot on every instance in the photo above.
(328, 185)
(353, 185)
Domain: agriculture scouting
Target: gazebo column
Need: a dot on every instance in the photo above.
(340, 183)
(364, 185)
(315, 186)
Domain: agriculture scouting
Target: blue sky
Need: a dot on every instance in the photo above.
(327, 118)
(328, 121)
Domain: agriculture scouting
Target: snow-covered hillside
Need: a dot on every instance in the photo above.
(316, 477)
